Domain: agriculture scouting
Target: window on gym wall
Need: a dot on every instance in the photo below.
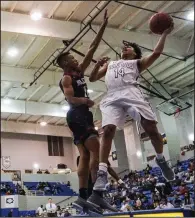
(55, 146)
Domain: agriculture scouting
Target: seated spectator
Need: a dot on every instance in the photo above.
(47, 172)
(8, 192)
(138, 205)
(177, 202)
(47, 190)
(39, 211)
(21, 191)
(189, 179)
(177, 181)
(182, 189)
(180, 173)
(39, 172)
(191, 166)
(187, 199)
(68, 184)
(66, 213)
(10, 214)
(148, 168)
(164, 205)
(3, 188)
(125, 206)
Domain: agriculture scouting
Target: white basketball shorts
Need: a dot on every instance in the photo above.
(116, 105)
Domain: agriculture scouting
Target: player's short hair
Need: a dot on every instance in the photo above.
(59, 58)
(136, 49)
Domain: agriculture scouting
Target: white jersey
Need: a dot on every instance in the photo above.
(124, 96)
(121, 73)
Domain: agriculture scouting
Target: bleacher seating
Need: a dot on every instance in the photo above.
(11, 185)
(63, 189)
(156, 173)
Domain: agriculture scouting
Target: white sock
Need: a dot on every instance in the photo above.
(103, 167)
(159, 156)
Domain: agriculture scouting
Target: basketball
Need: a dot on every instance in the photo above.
(160, 22)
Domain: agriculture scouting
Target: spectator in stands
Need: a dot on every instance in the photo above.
(182, 189)
(189, 179)
(8, 192)
(164, 205)
(10, 214)
(177, 202)
(39, 211)
(66, 213)
(51, 208)
(178, 164)
(47, 190)
(180, 173)
(58, 211)
(125, 206)
(148, 168)
(3, 188)
(191, 166)
(47, 172)
(138, 205)
(177, 181)
(39, 172)
(187, 199)
(21, 191)
(54, 190)
(68, 184)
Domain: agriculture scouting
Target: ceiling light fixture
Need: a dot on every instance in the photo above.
(139, 154)
(43, 123)
(191, 137)
(36, 166)
(190, 16)
(12, 52)
(36, 15)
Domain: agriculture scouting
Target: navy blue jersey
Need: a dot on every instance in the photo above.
(78, 83)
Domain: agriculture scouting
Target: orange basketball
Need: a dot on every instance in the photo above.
(160, 22)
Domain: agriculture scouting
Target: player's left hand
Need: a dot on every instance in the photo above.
(170, 29)
(103, 61)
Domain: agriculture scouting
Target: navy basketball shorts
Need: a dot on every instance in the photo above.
(80, 122)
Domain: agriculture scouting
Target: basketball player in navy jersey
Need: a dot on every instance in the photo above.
(79, 118)
(125, 98)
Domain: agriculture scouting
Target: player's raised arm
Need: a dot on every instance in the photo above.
(88, 58)
(99, 70)
(146, 62)
(69, 93)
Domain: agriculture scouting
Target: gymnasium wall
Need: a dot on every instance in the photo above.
(27, 149)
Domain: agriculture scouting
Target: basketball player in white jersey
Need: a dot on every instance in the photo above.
(125, 98)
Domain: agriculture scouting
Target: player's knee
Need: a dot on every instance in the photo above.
(152, 131)
(109, 131)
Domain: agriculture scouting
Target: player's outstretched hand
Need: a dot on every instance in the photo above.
(90, 103)
(170, 29)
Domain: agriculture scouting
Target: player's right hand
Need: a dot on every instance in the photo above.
(90, 103)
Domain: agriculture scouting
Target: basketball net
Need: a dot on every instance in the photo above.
(177, 112)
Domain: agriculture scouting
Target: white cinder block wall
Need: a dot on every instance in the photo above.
(26, 149)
